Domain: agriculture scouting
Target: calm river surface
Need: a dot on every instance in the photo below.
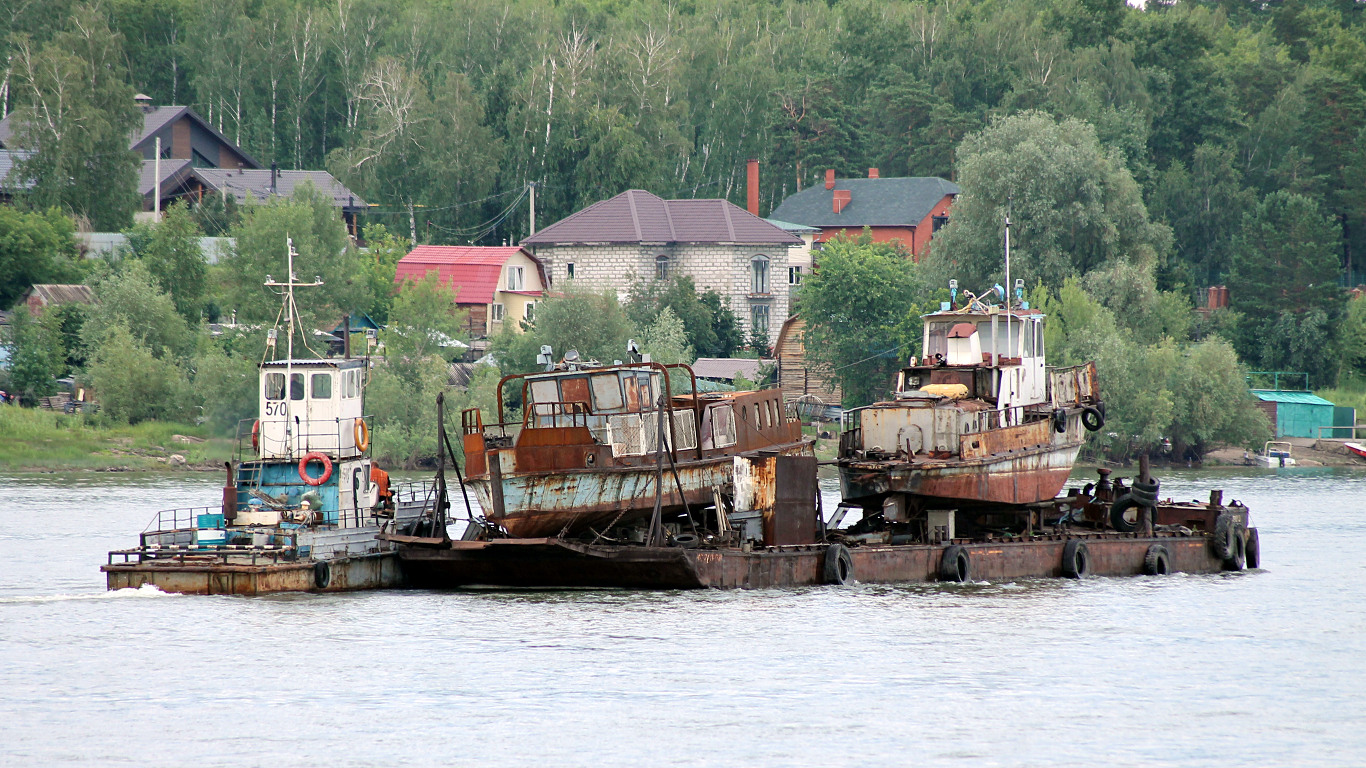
(1259, 668)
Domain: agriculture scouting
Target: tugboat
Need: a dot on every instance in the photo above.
(302, 504)
(590, 449)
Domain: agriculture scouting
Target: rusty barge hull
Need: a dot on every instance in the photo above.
(1024, 476)
(557, 563)
(381, 570)
(539, 504)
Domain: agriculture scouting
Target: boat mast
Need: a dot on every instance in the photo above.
(290, 311)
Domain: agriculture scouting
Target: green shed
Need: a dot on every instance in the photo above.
(1295, 414)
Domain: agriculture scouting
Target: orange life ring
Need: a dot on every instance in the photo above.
(361, 432)
(256, 435)
(303, 468)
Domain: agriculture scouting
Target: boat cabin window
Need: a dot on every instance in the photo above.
(351, 384)
(1029, 327)
(937, 343)
(322, 386)
(607, 392)
(296, 386)
(984, 336)
(275, 386)
(545, 391)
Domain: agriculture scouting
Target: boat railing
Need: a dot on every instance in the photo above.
(168, 520)
(335, 437)
(272, 546)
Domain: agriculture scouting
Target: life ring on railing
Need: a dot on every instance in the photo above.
(303, 468)
(256, 435)
(361, 432)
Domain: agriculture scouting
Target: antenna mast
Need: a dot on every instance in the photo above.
(291, 310)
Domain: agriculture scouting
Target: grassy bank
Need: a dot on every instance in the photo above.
(43, 440)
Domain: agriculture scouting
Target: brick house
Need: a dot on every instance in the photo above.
(906, 209)
(496, 285)
(640, 236)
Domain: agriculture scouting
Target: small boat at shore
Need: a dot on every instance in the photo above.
(1356, 448)
(598, 447)
(1274, 454)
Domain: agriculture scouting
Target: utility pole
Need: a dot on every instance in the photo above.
(156, 171)
(532, 228)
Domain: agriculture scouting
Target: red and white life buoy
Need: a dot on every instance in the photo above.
(256, 435)
(303, 468)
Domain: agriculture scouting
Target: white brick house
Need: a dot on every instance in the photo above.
(637, 235)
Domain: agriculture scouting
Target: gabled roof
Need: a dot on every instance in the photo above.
(172, 172)
(52, 294)
(160, 117)
(152, 122)
(886, 202)
(1282, 396)
(8, 158)
(255, 183)
(472, 270)
(727, 367)
(636, 216)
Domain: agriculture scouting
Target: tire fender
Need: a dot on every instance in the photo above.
(322, 574)
(839, 565)
(1076, 560)
(956, 565)
(1158, 561)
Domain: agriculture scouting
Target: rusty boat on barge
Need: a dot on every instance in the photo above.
(591, 447)
(770, 532)
(980, 420)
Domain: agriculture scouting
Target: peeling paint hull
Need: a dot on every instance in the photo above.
(372, 571)
(1022, 477)
(539, 504)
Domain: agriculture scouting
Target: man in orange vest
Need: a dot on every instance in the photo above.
(384, 497)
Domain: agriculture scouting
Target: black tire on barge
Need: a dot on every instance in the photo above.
(1228, 542)
(1253, 549)
(1158, 561)
(839, 565)
(1076, 560)
(956, 565)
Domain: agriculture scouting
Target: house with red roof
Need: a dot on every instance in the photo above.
(498, 285)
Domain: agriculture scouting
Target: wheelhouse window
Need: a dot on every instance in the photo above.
(322, 386)
(516, 278)
(296, 386)
(275, 386)
(758, 275)
(661, 267)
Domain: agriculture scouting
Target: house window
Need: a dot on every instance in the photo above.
(758, 320)
(496, 312)
(530, 311)
(794, 275)
(200, 161)
(758, 275)
(516, 278)
(661, 267)
(570, 267)
(938, 223)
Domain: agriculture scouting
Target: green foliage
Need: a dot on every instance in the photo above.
(666, 341)
(226, 387)
(74, 111)
(594, 324)
(711, 328)
(36, 355)
(1211, 403)
(1073, 207)
(216, 215)
(860, 315)
(424, 317)
(319, 236)
(132, 300)
(135, 385)
(383, 251)
(36, 247)
(170, 250)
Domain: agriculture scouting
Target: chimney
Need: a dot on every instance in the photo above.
(274, 174)
(872, 173)
(752, 194)
(841, 199)
(829, 178)
(144, 102)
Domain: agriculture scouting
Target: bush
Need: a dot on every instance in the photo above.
(135, 385)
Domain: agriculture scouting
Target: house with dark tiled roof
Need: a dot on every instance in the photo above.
(639, 236)
(907, 209)
(498, 286)
(196, 159)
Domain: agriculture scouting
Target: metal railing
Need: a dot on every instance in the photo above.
(1351, 431)
(330, 436)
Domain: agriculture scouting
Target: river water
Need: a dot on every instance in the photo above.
(1257, 668)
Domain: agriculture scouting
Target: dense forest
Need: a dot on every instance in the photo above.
(449, 109)
(1144, 154)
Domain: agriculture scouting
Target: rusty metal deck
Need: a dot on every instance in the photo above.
(558, 563)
